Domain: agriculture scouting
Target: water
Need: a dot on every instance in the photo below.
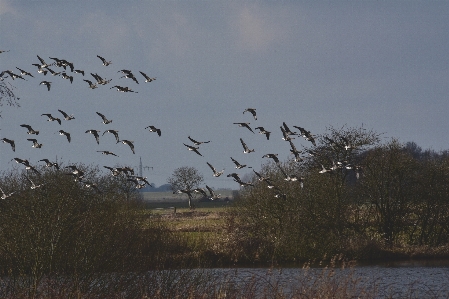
(415, 279)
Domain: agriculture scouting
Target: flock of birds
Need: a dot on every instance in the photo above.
(66, 69)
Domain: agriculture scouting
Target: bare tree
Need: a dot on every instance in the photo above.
(7, 96)
(184, 180)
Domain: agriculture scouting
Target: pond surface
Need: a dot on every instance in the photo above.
(406, 279)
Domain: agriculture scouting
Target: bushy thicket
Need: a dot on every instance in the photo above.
(375, 196)
(66, 230)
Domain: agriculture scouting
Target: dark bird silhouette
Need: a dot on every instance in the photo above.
(24, 73)
(154, 129)
(48, 163)
(11, 142)
(30, 129)
(197, 142)
(114, 132)
(129, 143)
(46, 83)
(123, 89)
(51, 118)
(91, 84)
(105, 120)
(213, 195)
(245, 125)
(35, 143)
(107, 153)
(193, 149)
(246, 149)
(105, 62)
(66, 134)
(66, 116)
(263, 131)
(95, 133)
(252, 111)
(216, 173)
(147, 78)
(237, 164)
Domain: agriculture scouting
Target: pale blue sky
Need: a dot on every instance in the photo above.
(314, 64)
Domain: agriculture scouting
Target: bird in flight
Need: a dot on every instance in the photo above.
(35, 143)
(129, 143)
(147, 78)
(263, 131)
(107, 153)
(95, 133)
(246, 125)
(193, 149)
(114, 132)
(66, 134)
(246, 149)
(11, 142)
(30, 129)
(105, 120)
(47, 83)
(252, 111)
(216, 173)
(105, 62)
(197, 142)
(154, 129)
(51, 118)
(66, 116)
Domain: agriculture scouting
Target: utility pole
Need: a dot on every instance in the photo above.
(141, 167)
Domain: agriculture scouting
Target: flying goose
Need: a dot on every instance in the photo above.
(114, 171)
(43, 63)
(66, 116)
(35, 143)
(237, 164)
(306, 134)
(95, 133)
(114, 132)
(324, 169)
(107, 153)
(50, 164)
(141, 179)
(65, 76)
(246, 150)
(105, 62)
(197, 142)
(123, 89)
(246, 125)
(105, 120)
(33, 185)
(4, 195)
(272, 156)
(200, 190)
(212, 196)
(130, 76)
(4, 51)
(51, 118)
(193, 149)
(234, 175)
(137, 183)
(154, 129)
(129, 143)
(47, 83)
(40, 70)
(147, 78)
(91, 85)
(295, 152)
(77, 173)
(252, 111)
(263, 131)
(67, 134)
(52, 72)
(216, 173)
(11, 142)
(285, 135)
(89, 185)
(100, 80)
(287, 130)
(79, 72)
(30, 129)
(24, 73)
